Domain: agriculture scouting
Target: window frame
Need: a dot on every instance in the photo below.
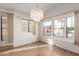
(64, 17)
(59, 28)
(44, 33)
(34, 32)
(28, 26)
(70, 27)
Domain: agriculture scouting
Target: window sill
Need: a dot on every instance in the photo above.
(66, 39)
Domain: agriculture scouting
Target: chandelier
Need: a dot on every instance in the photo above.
(37, 14)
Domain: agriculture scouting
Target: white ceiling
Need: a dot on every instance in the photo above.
(50, 9)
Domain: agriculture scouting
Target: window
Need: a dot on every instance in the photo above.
(62, 27)
(28, 26)
(70, 27)
(24, 26)
(59, 27)
(32, 27)
(47, 28)
(3, 28)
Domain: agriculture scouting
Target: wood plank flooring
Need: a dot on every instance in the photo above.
(37, 49)
(5, 48)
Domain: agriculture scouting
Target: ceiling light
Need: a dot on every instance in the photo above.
(37, 14)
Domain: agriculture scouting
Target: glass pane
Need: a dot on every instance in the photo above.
(47, 28)
(4, 31)
(59, 27)
(70, 22)
(47, 23)
(70, 27)
(32, 27)
(4, 22)
(58, 32)
(59, 23)
(24, 26)
(70, 32)
(4, 28)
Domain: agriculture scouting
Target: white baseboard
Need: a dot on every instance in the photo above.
(4, 43)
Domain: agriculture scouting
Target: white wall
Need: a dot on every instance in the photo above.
(10, 28)
(67, 45)
(76, 27)
(61, 42)
(22, 38)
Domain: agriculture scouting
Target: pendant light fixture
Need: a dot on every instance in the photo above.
(37, 14)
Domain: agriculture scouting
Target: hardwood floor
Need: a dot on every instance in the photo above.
(5, 48)
(37, 49)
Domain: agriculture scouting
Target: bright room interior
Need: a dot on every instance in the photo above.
(39, 29)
